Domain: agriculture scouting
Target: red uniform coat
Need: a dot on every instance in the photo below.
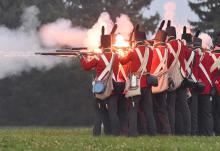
(98, 64)
(135, 62)
(192, 66)
(159, 68)
(216, 73)
(122, 73)
(206, 62)
(156, 59)
(174, 44)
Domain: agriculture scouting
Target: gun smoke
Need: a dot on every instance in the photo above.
(17, 46)
(61, 32)
(23, 40)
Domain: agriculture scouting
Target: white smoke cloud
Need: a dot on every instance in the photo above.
(92, 39)
(17, 46)
(62, 32)
(169, 14)
(170, 10)
(124, 25)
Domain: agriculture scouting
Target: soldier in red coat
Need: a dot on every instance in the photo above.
(177, 94)
(139, 55)
(215, 71)
(122, 101)
(159, 69)
(106, 109)
(205, 119)
(192, 60)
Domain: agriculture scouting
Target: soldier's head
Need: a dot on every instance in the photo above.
(139, 36)
(107, 40)
(161, 35)
(171, 31)
(186, 36)
(197, 42)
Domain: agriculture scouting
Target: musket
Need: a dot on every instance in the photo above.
(72, 49)
(67, 53)
(76, 48)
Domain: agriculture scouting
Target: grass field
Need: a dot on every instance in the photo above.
(80, 139)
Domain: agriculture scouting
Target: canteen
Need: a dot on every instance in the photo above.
(98, 87)
(134, 81)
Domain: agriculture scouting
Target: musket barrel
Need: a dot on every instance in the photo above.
(65, 53)
(76, 48)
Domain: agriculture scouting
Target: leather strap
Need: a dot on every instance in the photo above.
(205, 73)
(163, 60)
(107, 68)
(190, 61)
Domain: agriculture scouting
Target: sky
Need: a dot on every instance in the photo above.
(179, 8)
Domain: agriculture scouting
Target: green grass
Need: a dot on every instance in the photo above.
(80, 139)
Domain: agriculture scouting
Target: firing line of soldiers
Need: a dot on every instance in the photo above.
(168, 87)
(160, 86)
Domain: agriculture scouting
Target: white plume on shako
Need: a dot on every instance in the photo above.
(17, 46)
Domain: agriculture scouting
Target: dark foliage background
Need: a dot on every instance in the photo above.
(208, 12)
(58, 97)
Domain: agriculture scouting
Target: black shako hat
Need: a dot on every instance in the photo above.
(139, 35)
(107, 40)
(161, 35)
(186, 36)
(197, 42)
(171, 30)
